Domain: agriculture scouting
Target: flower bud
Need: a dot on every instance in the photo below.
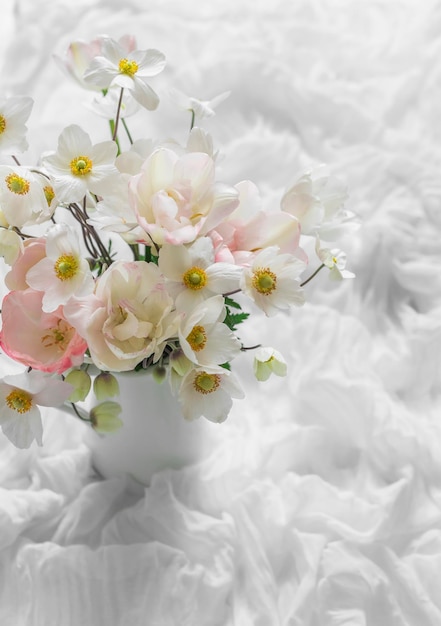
(81, 382)
(104, 417)
(159, 373)
(11, 246)
(105, 386)
(268, 361)
(179, 362)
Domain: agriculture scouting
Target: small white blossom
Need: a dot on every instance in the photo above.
(63, 272)
(273, 280)
(317, 200)
(80, 54)
(20, 397)
(200, 108)
(193, 275)
(268, 361)
(78, 166)
(335, 260)
(204, 339)
(22, 196)
(128, 70)
(114, 214)
(14, 113)
(208, 394)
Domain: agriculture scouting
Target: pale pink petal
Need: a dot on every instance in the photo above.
(198, 168)
(225, 201)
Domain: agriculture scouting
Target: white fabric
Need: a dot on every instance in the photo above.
(321, 505)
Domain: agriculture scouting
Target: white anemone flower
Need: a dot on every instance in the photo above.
(273, 280)
(203, 337)
(268, 361)
(14, 113)
(78, 166)
(22, 196)
(63, 272)
(128, 70)
(80, 53)
(317, 200)
(208, 394)
(200, 108)
(193, 274)
(20, 397)
(335, 260)
(114, 214)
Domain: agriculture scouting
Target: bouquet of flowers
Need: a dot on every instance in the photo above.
(130, 254)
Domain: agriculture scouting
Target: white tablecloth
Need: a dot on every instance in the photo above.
(321, 505)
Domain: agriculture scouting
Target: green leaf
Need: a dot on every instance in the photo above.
(232, 303)
(234, 319)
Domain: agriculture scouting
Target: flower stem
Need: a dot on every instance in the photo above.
(312, 275)
(126, 128)
(118, 112)
(112, 131)
(231, 293)
(192, 119)
(135, 250)
(78, 414)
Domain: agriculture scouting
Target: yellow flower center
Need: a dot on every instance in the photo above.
(128, 67)
(80, 165)
(195, 278)
(197, 338)
(59, 336)
(264, 281)
(17, 184)
(19, 400)
(206, 383)
(66, 266)
(2, 124)
(49, 193)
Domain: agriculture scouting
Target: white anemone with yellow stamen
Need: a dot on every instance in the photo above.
(273, 280)
(193, 275)
(128, 70)
(78, 166)
(203, 337)
(14, 113)
(22, 198)
(208, 394)
(20, 397)
(63, 272)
